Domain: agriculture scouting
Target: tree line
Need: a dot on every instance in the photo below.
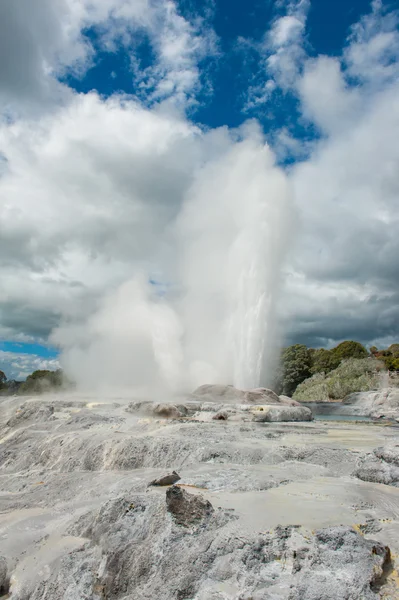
(298, 362)
(38, 382)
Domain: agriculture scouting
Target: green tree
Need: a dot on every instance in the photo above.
(394, 350)
(324, 361)
(3, 380)
(296, 362)
(349, 349)
(391, 363)
(42, 381)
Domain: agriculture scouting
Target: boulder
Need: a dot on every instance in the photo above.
(378, 404)
(221, 415)
(272, 414)
(4, 580)
(381, 466)
(287, 401)
(170, 479)
(261, 396)
(167, 411)
(227, 394)
(187, 509)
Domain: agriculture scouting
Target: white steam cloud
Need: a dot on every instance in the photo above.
(209, 313)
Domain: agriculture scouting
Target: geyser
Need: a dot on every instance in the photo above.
(220, 257)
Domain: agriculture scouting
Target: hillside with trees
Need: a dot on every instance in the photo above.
(310, 374)
(38, 382)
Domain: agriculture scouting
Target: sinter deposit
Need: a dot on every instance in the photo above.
(207, 498)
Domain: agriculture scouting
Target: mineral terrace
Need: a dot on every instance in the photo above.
(264, 503)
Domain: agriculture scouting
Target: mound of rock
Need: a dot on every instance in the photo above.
(225, 402)
(378, 404)
(381, 466)
(187, 509)
(146, 548)
(228, 394)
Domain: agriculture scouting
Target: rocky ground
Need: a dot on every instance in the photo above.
(305, 510)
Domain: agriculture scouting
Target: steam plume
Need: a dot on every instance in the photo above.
(219, 262)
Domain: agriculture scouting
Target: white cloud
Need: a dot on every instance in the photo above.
(18, 366)
(41, 40)
(95, 193)
(372, 55)
(344, 273)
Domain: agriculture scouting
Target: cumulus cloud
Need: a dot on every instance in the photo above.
(18, 366)
(41, 40)
(136, 239)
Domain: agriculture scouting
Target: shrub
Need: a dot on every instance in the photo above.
(324, 361)
(3, 380)
(352, 375)
(43, 381)
(349, 349)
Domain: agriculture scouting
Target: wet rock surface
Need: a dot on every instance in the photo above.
(261, 509)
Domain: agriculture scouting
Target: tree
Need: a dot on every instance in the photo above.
(295, 367)
(3, 380)
(324, 361)
(350, 349)
(394, 350)
(41, 381)
(391, 363)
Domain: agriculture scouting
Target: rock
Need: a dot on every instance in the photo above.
(381, 466)
(341, 564)
(220, 416)
(226, 394)
(271, 414)
(166, 479)
(167, 411)
(378, 404)
(287, 401)
(261, 396)
(35, 410)
(4, 581)
(187, 509)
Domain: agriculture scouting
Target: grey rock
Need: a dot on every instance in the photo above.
(380, 466)
(261, 396)
(287, 401)
(31, 411)
(227, 394)
(187, 509)
(167, 411)
(271, 414)
(378, 404)
(341, 564)
(170, 479)
(4, 580)
(221, 415)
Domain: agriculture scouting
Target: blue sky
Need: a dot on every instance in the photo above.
(187, 80)
(230, 72)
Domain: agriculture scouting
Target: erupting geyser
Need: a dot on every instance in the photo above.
(225, 248)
